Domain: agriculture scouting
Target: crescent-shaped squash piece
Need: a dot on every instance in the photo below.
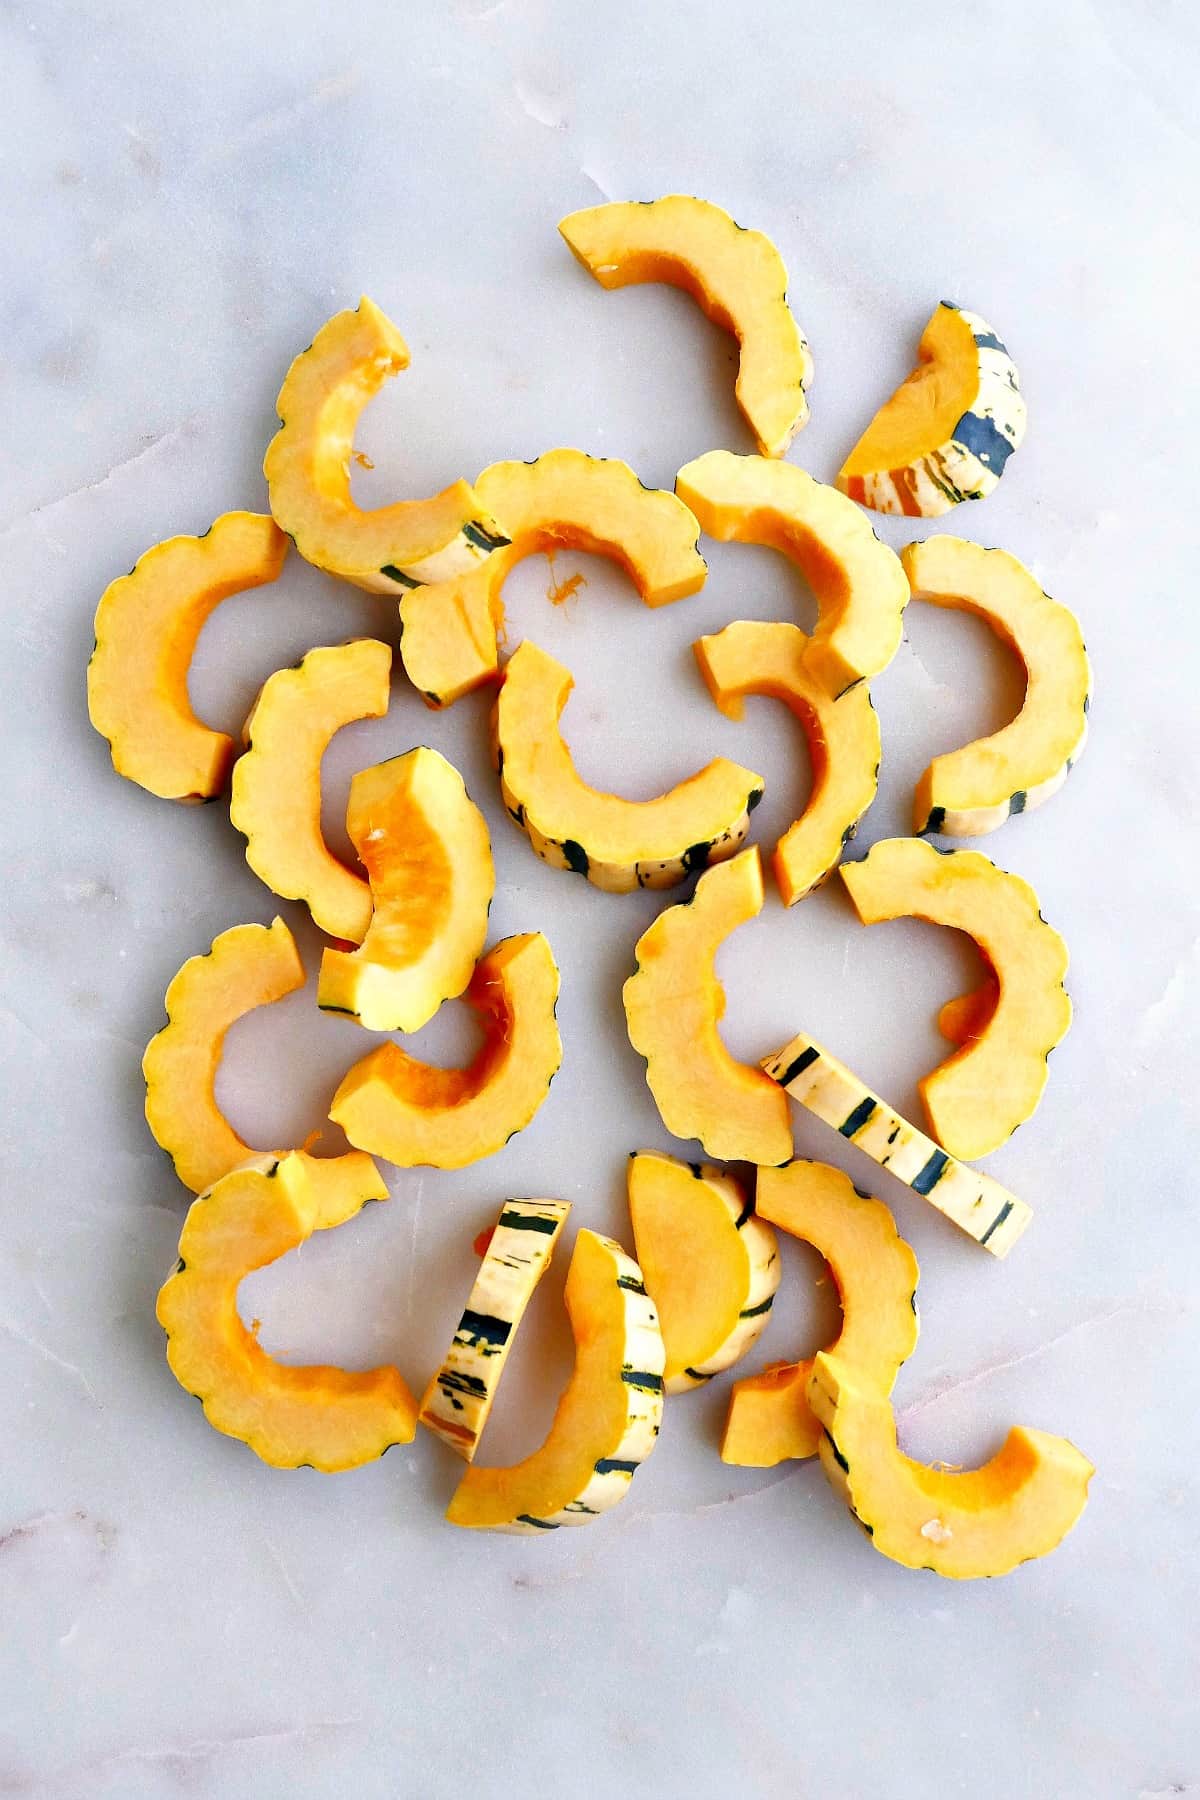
(247, 966)
(960, 1523)
(514, 1259)
(673, 1006)
(710, 1266)
(737, 278)
(147, 626)
(564, 500)
(859, 585)
(948, 431)
(875, 1271)
(325, 1418)
(276, 796)
(307, 467)
(618, 844)
(975, 1100)
(973, 790)
(973, 1201)
(425, 846)
(411, 1112)
(750, 657)
(608, 1415)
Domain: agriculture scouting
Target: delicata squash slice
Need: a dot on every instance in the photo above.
(710, 1266)
(875, 1271)
(948, 431)
(147, 626)
(411, 1112)
(608, 1416)
(563, 500)
(617, 844)
(325, 1418)
(975, 1100)
(843, 741)
(247, 966)
(960, 1523)
(736, 277)
(859, 585)
(673, 1007)
(276, 798)
(515, 1257)
(973, 790)
(307, 467)
(973, 1201)
(425, 846)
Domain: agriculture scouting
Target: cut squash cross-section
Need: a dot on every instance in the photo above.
(147, 626)
(276, 798)
(411, 1112)
(859, 585)
(307, 467)
(737, 278)
(608, 1415)
(326, 1418)
(563, 500)
(673, 1006)
(427, 853)
(617, 844)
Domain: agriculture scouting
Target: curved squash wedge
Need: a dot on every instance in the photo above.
(859, 585)
(973, 1201)
(962, 1524)
(563, 500)
(325, 1418)
(425, 846)
(976, 1099)
(975, 789)
(247, 966)
(948, 431)
(276, 797)
(619, 845)
(843, 741)
(147, 626)
(736, 277)
(514, 1259)
(770, 1419)
(307, 467)
(411, 1112)
(608, 1415)
(710, 1266)
(673, 1006)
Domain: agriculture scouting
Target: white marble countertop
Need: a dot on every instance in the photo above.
(187, 193)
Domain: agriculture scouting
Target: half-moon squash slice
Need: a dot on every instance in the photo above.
(975, 1100)
(514, 1259)
(321, 1417)
(960, 1523)
(973, 1201)
(411, 1112)
(425, 846)
(875, 1272)
(673, 1006)
(563, 500)
(307, 467)
(608, 1415)
(710, 1266)
(276, 797)
(618, 844)
(736, 277)
(973, 790)
(147, 626)
(843, 741)
(859, 585)
(948, 431)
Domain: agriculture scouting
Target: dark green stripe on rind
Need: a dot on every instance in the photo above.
(858, 1118)
(927, 1178)
(747, 1212)
(482, 538)
(797, 1067)
(517, 1221)
(615, 1465)
(642, 1378)
(755, 1312)
(483, 1328)
(935, 821)
(541, 1524)
(398, 575)
(576, 857)
(997, 1221)
(837, 1455)
(631, 1284)
(700, 1374)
